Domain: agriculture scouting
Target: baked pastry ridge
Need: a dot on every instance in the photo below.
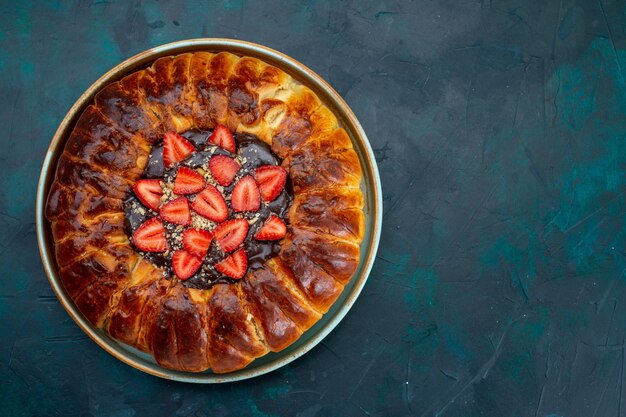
(228, 325)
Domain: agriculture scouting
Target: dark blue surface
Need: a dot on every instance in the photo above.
(500, 133)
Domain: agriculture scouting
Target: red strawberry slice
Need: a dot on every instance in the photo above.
(273, 229)
(224, 169)
(149, 192)
(150, 236)
(210, 204)
(175, 148)
(185, 264)
(222, 137)
(246, 195)
(188, 181)
(235, 266)
(176, 211)
(197, 241)
(230, 234)
(271, 181)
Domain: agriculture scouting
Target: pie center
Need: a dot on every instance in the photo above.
(210, 206)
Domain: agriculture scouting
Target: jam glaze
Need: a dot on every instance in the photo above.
(251, 154)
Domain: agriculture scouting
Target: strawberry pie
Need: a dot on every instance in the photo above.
(206, 210)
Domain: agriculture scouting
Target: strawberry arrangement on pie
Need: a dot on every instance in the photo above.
(208, 206)
(206, 210)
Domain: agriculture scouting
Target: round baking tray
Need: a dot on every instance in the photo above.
(370, 186)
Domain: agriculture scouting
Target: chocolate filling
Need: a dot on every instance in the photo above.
(251, 154)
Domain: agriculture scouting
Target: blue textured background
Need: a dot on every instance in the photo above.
(499, 128)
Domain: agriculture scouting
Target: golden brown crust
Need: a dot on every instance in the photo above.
(145, 288)
(234, 341)
(319, 165)
(211, 81)
(191, 333)
(278, 330)
(178, 338)
(93, 280)
(162, 339)
(228, 326)
(334, 211)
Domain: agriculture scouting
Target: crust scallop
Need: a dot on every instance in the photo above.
(226, 327)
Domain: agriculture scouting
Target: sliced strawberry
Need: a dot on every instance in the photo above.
(185, 264)
(197, 241)
(149, 192)
(224, 169)
(176, 211)
(210, 204)
(150, 236)
(235, 266)
(246, 195)
(230, 234)
(271, 181)
(222, 137)
(273, 229)
(188, 181)
(175, 148)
